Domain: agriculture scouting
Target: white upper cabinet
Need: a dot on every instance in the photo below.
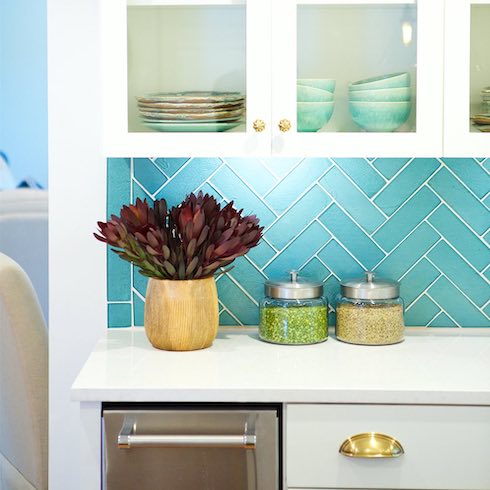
(218, 48)
(351, 41)
(467, 78)
(397, 77)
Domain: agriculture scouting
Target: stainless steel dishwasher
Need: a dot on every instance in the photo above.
(192, 449)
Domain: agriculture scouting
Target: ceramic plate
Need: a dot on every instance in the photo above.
(170, 121)
(481, 119)
(209, 116)
(191, 97)
(192, 127)
(195, 108)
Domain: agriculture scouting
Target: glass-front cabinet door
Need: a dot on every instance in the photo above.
(467, 78)
(357, 77)
(186, 78)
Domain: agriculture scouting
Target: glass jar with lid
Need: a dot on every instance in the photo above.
(370, 311)
(293, 312)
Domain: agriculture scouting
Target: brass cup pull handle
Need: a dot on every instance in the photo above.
(284, 125)
(371, 445)
(258, 125)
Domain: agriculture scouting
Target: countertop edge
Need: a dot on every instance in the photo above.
(391, 397)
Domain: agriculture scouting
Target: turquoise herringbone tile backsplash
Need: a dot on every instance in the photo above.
(424, 221)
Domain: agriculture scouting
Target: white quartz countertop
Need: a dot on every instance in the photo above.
(432, 366)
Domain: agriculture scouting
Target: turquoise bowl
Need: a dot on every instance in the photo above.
(311, 94)
(400, 94)
(321, 83)
(312, 116)
(380, 117)
(393, 80)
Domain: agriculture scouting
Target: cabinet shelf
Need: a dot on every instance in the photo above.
(357, 2)
(182, 3)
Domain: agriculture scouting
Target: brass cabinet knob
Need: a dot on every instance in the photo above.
(259, 125)
(284, 125)
(371, 445)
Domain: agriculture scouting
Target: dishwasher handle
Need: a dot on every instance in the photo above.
(127, 438)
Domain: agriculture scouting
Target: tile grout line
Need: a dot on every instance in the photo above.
(255, 266)
(480, 199)
(334, 201)
(390, 180)
(344, 247)
(153, 159)
(414, 302)
(450, 245)
(361, 191)
(171, 179)
(211, 185)
(295, 237)
(260, 198)
(227, 310)
(303, 194)
(264, 164)
(443, 309)
(213, 173)
(242, 288)
(400, 243)
(420, 259)
(310, 260)
(461, 291)
(457, 215)
(289, 172)
(332, 273)
(439, 313)
(371, 165)
(264, 238)
(411, 196)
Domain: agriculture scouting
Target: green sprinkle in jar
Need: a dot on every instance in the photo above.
(293, 312)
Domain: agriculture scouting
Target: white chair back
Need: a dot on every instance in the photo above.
(24, 235)
(23, 383)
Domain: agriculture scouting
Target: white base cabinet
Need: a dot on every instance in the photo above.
(445, 447)
(439, 414)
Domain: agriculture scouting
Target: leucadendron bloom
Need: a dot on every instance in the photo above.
(193, 240)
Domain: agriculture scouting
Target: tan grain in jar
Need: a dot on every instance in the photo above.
(370, 324)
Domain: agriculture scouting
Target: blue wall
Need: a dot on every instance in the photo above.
(23, 88)
(423, 221)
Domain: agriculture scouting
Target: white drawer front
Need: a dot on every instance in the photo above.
(446, 447)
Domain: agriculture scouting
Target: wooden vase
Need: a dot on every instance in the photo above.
(181, 315)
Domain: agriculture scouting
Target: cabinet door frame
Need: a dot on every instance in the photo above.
(118, 142)
(428, 138)
(459, 141)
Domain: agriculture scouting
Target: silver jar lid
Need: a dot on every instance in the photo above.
(293, 289)
(370, 287)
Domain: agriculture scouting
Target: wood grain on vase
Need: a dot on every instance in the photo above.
(181, 315)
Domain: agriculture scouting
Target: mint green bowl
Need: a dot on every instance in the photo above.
(400, 94)
(393, 80)
(321, 83)
(311, 94)
(312, 116)
(380, 117)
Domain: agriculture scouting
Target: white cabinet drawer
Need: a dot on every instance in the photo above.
(446, 447)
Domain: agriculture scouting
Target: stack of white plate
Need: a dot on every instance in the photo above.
(192, 111)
